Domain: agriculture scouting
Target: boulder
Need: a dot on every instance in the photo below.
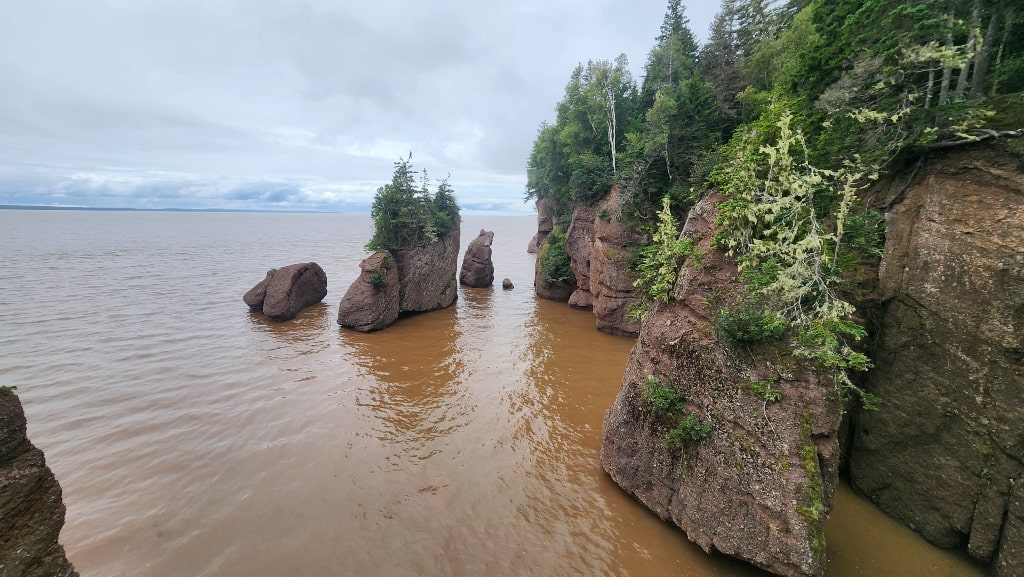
(371, 302)
(611, 274)
(945, 452)
(579, 243)
(288, 290)
(427, 274)
(756, 479)
(534, 245)
(477, 269)
(31, 509)
(506, 284)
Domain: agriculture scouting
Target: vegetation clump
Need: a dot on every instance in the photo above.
(406, 215)
(668, 403)
(553, 260)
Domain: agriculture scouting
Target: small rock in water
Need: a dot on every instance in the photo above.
(507, 284)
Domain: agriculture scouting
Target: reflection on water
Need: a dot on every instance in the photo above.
(214, 442)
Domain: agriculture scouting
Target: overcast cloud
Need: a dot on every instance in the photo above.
(290, 104)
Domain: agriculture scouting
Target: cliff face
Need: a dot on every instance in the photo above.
(760, 485)
(611, 278)
(579, 243)
(601, 250)
(945, 453)
(31, 510)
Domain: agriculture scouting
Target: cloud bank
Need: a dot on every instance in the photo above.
(290, 104)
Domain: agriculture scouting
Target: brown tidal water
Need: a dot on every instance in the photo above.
(192, 437)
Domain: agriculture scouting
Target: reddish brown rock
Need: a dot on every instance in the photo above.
(371, 302)
(477, 269)
(760, 485)
(611, 274)
(945, 452)
(288, 290)
(579, 243)
(31, 510)
(427, 274)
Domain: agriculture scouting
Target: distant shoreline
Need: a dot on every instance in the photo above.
(106, 209)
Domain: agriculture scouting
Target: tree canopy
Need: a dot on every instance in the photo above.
(407, 215)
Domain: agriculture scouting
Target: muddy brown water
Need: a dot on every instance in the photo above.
(192, 437)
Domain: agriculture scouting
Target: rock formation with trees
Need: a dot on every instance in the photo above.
(849, 176)
(416, 249)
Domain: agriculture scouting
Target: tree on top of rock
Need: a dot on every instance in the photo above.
(407, 216)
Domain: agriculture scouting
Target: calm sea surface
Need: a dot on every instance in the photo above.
(192, 437)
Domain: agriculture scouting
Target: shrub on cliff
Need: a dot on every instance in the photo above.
(406, 215)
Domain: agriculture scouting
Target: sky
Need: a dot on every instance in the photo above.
(291, 104)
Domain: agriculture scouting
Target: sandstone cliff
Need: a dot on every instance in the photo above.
(945, 453)
(611, 276)
(760, 485)
(601, 251)
(413, 280)
(579, 243)
(31, 510)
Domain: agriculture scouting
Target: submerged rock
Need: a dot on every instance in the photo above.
(371, 302)
(287, 290)
(506, 284)
(31, 510)
(477, 269)
(752, 475)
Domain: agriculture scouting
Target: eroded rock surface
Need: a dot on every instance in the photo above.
(31, 510)
(945, 453)
(287, 290)
(760, 485)
(611, 275)
(579, 243)
(477, 268)
(371, 302)
(427, 274)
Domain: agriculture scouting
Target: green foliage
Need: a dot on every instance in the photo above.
(690, 428)
(271, 272)
(406, 215)
(668, 403)
(658, 262)
(764, 390)
(377, 280)
(7, 389)
(750, 324)
(664, 401)
(554, 262)
(787, 223)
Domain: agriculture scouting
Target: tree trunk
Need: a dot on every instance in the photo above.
(972, 48)
(984, 56)
(930, 89)
(999, 53)
(947, 69)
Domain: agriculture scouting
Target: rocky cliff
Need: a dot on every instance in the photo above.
(413, 280)
(31, 510)
(754, 474)
(945, 453)
(601, 251)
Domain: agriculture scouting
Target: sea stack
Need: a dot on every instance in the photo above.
(477, 268)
